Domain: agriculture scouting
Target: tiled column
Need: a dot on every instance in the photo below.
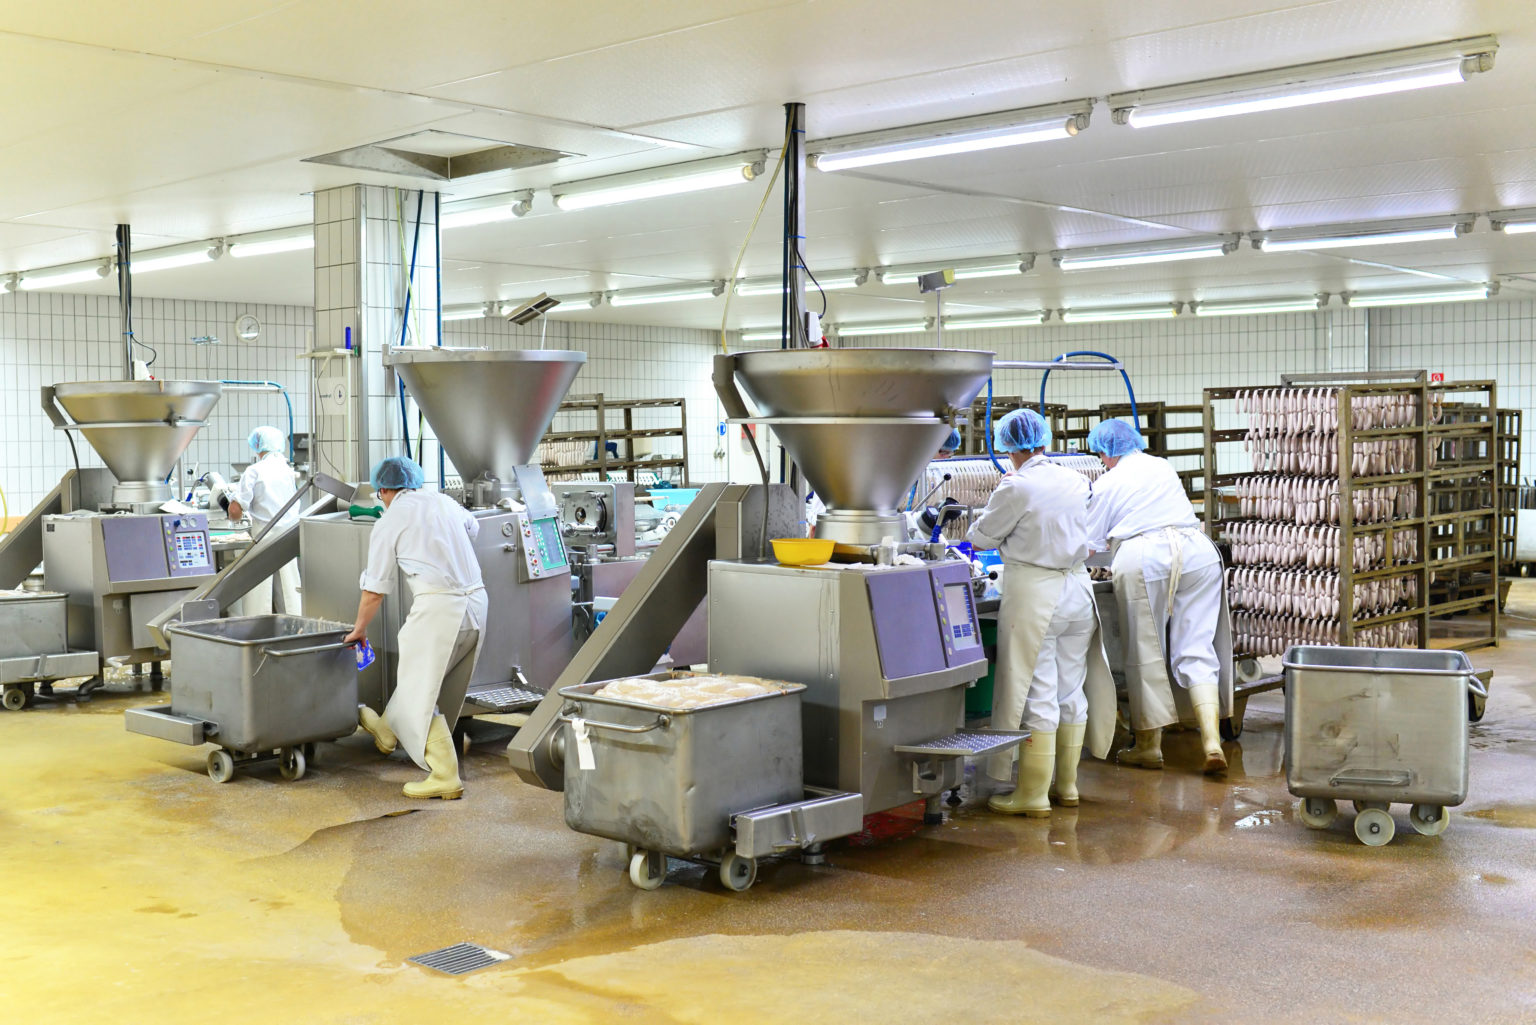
(367, 239)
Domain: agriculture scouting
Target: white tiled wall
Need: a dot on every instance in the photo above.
(46, 338)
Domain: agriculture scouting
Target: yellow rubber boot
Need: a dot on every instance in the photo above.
(1147, 753)
(443, 760)
(1069, 749)
(1037, 757)
(373, 723)
(1207, 710)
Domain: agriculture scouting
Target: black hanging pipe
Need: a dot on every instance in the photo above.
(125, 295)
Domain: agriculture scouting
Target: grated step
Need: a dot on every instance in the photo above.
(500, 700)
(964, 744)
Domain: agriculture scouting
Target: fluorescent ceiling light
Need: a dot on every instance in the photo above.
(693, 176)
(765, 334)
(667, 294)
(984, 267)
(279, 240)
(1012, 320)
(1113, 313)
(944, 138)
(469, 311)
(69, 274)
(906, 327)
(1460, 294)
(1375, 74)
(464, 213)
(576, 303)
(10, 283)
(1367, 234)
(775, 285)
(171, 257)
(1253, 306)
(1132, 255)
(1513, 222)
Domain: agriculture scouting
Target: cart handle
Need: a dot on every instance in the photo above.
(1385, 778)
(308, 651)
(597, 724)
(1474, 684)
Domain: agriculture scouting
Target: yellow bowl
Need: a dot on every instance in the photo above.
(801, 551)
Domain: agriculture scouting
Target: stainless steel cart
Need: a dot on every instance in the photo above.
(264, 688)
(722, 784)
(1377, 726)
(34, 648)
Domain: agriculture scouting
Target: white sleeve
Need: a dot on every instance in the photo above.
(245, 490)
(1100, 500)
(471, 522)
(379, 575)
(998, 519)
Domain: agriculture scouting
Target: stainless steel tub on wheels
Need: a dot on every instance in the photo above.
(1377, 726)
(263, 688)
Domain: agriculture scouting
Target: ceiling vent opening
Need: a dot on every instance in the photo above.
(440, 156)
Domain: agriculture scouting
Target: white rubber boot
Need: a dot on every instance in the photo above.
(1147, 753)
(1207, 710)
(1037, 757)
(443, 760)
(373, 723)
(1069, 749)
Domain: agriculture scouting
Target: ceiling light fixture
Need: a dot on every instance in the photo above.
(468, 311)
(278, 240)
(764, 334)
(1374, 74)
(10, 283)
(1011, 320)
(1291, 240)
(1141, 253)
(1459, 294)
(651, 183)
(666, 294)
(464, 213)
(576, 302)
(1513, 222)
(774, 285)
(171, 257)
(1113, 313)
(1241, 308)
(984, 267)
(906, 327)
(67, 274)
(961, 135)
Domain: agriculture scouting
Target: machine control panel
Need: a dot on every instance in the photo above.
(543, 551)
(187, 548)
(957, 613)
(157, 547)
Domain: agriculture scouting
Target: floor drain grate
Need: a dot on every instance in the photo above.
(460, 959)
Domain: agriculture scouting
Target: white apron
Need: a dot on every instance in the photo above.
(1155, 702)
(439, 643)
(259, 601)
(1030, 596)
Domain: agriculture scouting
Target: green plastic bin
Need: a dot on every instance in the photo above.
(978, 699)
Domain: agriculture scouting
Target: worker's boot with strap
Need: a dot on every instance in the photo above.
(373, 723)
(1037, 758)
(1069, 750)
(1146, 753)
(1207, 702)
(443, 760)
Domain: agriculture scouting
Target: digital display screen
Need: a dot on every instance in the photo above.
(957, 613)
(547, 542)
(191, 549)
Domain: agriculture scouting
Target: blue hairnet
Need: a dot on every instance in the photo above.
(267, 439)
(951, 443)
(1115, 438)
(1021, 431)
(397, 473)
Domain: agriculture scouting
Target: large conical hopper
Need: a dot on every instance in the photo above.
(139, 428)
(489, 408)
(861, 423)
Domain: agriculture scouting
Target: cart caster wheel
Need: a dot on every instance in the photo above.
(221, 766)
(1429, 819)
(309, 753)
(1361, 806)
(1231, 728)
(648, 870)
(1317, 812)
(738, 873)
(15, 699)
(954, 799)
(1374, 827)
(291, 763)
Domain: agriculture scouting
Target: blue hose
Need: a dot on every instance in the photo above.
(286, 399)
(1135, 416)
(405, 320)
(987, 430)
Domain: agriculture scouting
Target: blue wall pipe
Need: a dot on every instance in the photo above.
(405, 319)
(281, 390)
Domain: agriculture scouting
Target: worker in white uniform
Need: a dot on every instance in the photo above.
(264, 488)
(1169, 592)
(427, 536)
(1052, 675)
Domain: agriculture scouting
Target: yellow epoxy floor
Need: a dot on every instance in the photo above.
(138, 891)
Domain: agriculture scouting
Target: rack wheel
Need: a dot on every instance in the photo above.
(647, 870)
(221, 766)
(291, 763)
(738, 873)
(15, 698)
(1317, 812)
(1374, 827)
(1429, 819)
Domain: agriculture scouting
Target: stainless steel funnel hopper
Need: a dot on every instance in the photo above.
(139, 428)
(489, 408)
(860, 423)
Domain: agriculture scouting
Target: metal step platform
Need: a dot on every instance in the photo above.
(501, 700)
(964, 744)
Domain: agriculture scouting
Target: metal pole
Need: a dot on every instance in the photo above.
(794, 231)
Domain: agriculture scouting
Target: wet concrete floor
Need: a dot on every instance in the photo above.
(138, 891)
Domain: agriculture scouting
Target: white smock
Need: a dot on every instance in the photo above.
(428, 537)
(264, 488)
(1168, 589)
(1051, 667)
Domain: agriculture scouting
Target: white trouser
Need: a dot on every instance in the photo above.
(439, 643)
(282, 587)
(1056, 688)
